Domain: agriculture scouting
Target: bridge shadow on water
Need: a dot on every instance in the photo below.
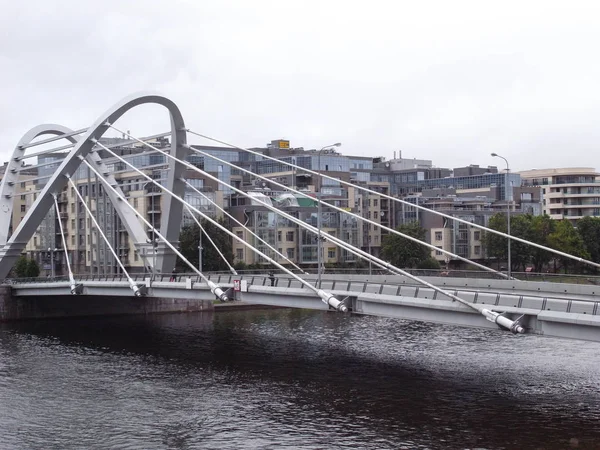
(442, 387)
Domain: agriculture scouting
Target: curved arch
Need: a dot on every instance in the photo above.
(171, 211)
(11, 176)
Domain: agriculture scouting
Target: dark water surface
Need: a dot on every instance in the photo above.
(291, 379)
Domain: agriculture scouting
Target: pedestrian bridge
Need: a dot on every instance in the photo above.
(544, 308)
(550, 309)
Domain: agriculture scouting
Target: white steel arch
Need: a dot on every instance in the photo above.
(172, 211)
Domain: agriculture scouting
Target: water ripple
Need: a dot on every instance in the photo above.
(291, 379)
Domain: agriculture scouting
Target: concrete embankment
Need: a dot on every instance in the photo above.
(49, 307)
(64, 306)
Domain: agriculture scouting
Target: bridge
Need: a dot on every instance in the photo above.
(545, 308)
(503, 302)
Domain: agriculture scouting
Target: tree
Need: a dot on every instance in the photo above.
(589, 230)
(521, 226)
(33, 270)
(20, 267)
(520, 253)
(402, 252)
(26, 268)
(542, 227)
(566, 239)
(496, 245)
(211, 260)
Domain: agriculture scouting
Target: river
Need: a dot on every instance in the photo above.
(273, 379)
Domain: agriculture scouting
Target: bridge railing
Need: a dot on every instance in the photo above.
(590, 279)
(227, 277)
(532, 300)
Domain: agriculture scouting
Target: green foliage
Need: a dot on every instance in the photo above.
(33, 270)
(589, 230)
(211, 260)
(26, 268)
(496, 245)
(429, 263)
(525, 226)
(20, 267)
(566, 239)
(402, 252)
(542, 227)
(520, 253)
(240, 265)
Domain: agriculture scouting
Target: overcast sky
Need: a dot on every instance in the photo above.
(450, 81)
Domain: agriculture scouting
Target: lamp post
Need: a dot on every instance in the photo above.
(509, 203)
(319, 257)
(153, 233)
(200, 249)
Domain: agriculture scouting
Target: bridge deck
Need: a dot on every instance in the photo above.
(552, 309)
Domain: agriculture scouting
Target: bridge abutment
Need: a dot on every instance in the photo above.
(63, 306)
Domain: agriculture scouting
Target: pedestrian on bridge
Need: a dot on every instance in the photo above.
(173, 276)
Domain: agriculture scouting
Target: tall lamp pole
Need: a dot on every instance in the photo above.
(319, 257)
(199, 247)
(509, 204)
(153, 229)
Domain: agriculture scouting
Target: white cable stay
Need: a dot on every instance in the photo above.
(326, 297)
(399, 200)
(216, 290)
(58, 137)
(71, 145)
(363, 219)
(492, 316)
(203, 231)
(134, 287)
(75, 288)
(329, 298)
(277, 252)
(326, 236)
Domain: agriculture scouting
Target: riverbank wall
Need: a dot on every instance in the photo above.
(53, 307)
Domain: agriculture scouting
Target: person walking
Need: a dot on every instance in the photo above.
(173, 275)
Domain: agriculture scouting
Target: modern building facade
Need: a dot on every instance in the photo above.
(568, 193)
(471, 193)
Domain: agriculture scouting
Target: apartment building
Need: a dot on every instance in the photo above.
(87, 251)
(568, 193)
(473, 193)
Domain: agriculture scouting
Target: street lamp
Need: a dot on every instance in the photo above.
(153, 229)
(200, 248)
(508, 203)
(319, 257)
